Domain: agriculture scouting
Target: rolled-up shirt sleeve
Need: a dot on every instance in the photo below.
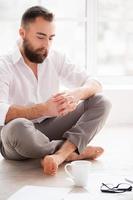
(5, 77)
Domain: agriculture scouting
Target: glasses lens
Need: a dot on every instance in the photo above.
(124, 186)
(108, 188)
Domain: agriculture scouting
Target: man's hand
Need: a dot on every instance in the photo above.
(58, 105)
(61, 104)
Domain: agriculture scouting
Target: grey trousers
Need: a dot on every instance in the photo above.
(22, 139)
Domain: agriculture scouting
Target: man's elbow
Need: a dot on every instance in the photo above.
(97, 85)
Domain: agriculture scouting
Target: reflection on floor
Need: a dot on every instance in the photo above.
(115, 164)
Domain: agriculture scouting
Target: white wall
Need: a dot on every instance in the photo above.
(122, 105)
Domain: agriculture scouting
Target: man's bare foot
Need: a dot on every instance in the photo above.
(89, 153)
(50, 164)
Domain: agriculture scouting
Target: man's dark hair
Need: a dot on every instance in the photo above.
(32, 13)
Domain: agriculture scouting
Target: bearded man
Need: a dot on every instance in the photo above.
(36, 119)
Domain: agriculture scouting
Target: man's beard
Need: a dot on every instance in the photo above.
(33, 55)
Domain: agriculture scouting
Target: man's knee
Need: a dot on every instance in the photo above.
(16, 128)
(101, 103)
(21, 135)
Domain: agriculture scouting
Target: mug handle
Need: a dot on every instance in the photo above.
(67, 167)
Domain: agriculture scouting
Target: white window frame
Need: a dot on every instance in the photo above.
(91, 36)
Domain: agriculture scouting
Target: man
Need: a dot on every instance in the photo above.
(38, 121)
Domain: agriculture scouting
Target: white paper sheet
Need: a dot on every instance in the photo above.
(40, 193)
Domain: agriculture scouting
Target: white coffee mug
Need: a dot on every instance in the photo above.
(78, 171)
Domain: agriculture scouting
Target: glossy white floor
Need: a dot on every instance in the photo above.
(113, 166)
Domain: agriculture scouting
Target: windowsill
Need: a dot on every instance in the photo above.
(118, 87)
(116, 82)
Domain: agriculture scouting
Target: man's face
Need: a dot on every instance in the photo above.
(37, 39)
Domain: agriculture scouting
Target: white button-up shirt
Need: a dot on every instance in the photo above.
(19, 86)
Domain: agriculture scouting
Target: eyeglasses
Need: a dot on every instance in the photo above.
(120, 188)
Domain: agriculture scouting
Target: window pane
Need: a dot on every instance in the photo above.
(70, 22)
(70, 38)
(66, 8)
(8, 35)
(111, 49)
(115, 37)
(13, 9)
(10, 17)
